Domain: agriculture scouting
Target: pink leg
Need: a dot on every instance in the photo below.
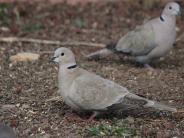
(148, 66)
(73, 117)
(93, 116)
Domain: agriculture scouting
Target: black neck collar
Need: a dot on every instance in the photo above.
(72, 67)
(161, 18)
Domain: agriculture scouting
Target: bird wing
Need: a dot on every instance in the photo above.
(91, 92)
(138, 42)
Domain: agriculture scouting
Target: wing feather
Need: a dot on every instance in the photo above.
(138, 42)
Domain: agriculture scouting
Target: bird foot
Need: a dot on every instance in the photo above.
(91, 118)
(73, 117)
(148, 67)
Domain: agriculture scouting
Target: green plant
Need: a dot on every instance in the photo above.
(111, 130)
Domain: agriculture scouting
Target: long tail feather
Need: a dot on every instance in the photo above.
(160, 106)
(110, 49)
(149, 103)
(100, 54)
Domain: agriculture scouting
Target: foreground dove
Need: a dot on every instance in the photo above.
(6, 131)
(149, 41)
(85, 91)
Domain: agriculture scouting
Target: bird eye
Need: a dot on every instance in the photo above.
(62, 54)
(170, 7)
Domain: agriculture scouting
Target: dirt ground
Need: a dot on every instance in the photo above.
(25, 87)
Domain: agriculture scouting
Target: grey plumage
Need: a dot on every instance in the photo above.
(85, 91)
(149, 41)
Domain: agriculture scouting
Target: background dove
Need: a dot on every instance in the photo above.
(150, 41)
(6, 131)
(85, 91)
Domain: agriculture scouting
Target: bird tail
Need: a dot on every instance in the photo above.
(108, 50)
(141, 101)
(160, 106)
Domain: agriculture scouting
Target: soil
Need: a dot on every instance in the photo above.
(26, 87)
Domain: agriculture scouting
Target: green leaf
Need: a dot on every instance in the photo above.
(111, 130)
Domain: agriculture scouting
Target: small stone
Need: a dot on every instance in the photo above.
(93, 39)
(18, 105)
(95, 25)
(171, 101)
(150, 73)
(177, 29)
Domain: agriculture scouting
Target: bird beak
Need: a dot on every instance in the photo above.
(53, 59)
(179, 12)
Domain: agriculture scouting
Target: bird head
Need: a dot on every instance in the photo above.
(172, 9)
(63, 56)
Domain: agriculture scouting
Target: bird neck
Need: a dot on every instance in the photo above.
(169, 20)
(72, 66)
(67, 69)
(67, 73)
(69, 66)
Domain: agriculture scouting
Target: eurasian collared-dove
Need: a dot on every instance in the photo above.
(6, 131)
(85, 91)
(149, 41)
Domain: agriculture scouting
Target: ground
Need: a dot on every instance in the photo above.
(26, 87)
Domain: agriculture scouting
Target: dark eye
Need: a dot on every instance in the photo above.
(170, 7)
(62, 54)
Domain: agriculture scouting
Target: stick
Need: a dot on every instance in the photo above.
(57, 98)
(49, 42)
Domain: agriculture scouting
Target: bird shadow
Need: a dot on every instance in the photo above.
(65, 111)
(118, 60)
(135, 113)
(169, 63)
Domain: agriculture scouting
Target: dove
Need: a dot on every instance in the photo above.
(6, 131)
(84, 91)
(149, 41)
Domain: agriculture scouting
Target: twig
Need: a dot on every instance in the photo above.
(57, 98)
(49, 42)
(45, 52)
